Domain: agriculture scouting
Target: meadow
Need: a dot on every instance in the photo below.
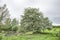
(30, 36)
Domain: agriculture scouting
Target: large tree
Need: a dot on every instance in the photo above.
(33, 20)
(4, 14)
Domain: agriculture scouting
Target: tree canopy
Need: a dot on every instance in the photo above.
(4, 13)
(33, 20)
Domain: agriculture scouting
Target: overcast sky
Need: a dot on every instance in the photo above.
(50, 8)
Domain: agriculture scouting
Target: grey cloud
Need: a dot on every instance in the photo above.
(50, 8)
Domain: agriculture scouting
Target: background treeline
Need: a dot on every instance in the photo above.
(6, 23)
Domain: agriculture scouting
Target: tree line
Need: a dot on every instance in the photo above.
(32, 20)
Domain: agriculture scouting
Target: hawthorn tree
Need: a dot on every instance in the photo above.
(33, 20)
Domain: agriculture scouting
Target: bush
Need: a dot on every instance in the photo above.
(0, 36)
(58, 34)
(15, 28)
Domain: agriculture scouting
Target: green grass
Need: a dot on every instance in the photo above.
(31, 37)
(34, 36)
(54, 30)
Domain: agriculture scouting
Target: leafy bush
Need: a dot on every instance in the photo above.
(0, 36)
(58, 36)
(14, 28)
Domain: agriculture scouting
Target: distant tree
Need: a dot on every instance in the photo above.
(4, 13)
(14, 24)
(7, 25)
(33, 20)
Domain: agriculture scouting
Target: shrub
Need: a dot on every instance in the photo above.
(0, 36)
(58, 35)
(14, 28)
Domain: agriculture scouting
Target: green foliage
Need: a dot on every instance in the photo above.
(0, 36)
(15, 28)
(31, 37)
(14, 22)
(7, 25)
(1, 26)
(3, 13)
(33, 20)
(58, 35)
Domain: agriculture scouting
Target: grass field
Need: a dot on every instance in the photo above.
(34, 36)
(31, 37)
